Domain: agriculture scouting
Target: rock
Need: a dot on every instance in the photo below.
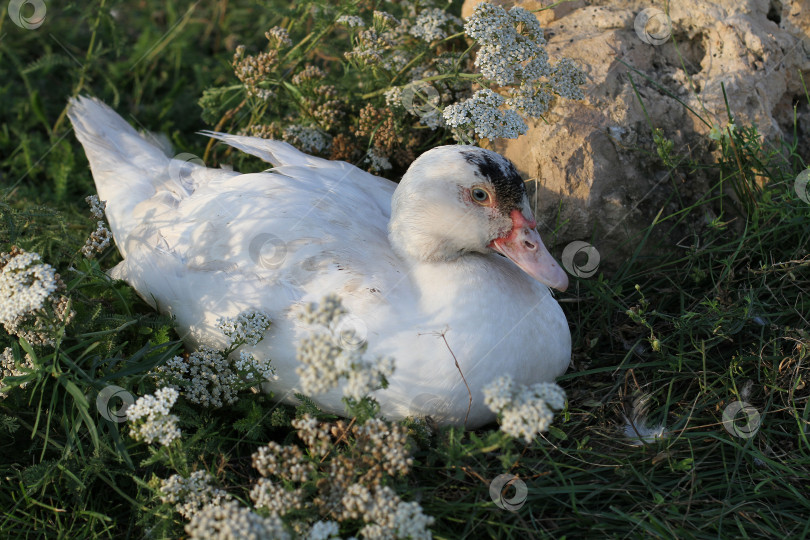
(595, 174)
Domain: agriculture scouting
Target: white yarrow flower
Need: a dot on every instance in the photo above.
(9, 368)
(531, 100)
(377, 162)
(352, 21)
(278, 37)
(525, 411)
(482, 113)
(324, 530)
(151, 419)
(97, 207)
(25, 283)
(307, 139)
(246, 328)
(566, 78)
(231, 521)
(190, 494)
(329, 356)
(433, 23)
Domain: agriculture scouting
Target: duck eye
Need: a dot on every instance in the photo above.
(480, 195)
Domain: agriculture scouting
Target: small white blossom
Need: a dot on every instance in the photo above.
(393, 97)
(246, 328)
(388, 442)
(231, 521)
(314, 434)
(482, 112)
(488, 23)
(326, 356)
(433, 24)
(376, 161)
(383, 19)
(287, 462)
(206, 377)
(209, 378)
(100, 238)
(566, 79)
(98, 241)
(324, 530)
(369, 47)
(386, 515)
(365, 376)
(31, 304)
(249, 367)
(271, 495)
(511, 44)
(151, 419)
(263, 94)
(531, 100)
(396, 60)
(525, 411)
(278, 37)
(9, 368)
(25, 284)
(97, 207)
(307, 139)
(352, 21)
(190, 494)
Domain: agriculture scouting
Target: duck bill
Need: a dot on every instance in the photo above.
(524, 247)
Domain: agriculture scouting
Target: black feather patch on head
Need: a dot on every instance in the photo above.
(499, 171)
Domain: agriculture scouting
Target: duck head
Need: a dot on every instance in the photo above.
(459, 199)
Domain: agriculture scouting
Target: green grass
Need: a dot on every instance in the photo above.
(719, 317)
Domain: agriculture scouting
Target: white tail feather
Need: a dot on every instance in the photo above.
(126, 166)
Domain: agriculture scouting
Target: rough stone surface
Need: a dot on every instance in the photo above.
(594, 163)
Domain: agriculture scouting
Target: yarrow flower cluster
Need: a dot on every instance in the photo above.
(483, 91)
(213, 378)
(31, 305)
(369, 47)
(377, 161)
(25, 284)
(230, 520)
(205, 377)
(324, 530)
(335, 353)
(511, 54)
(344, 485)
(190, 494)
(433, 24)
(98, 241)
(10, 368)
(351, 487)
(511, 44)
(352, 21)
(151, 418)
(252, 69)
(482, 113)
(308, 139)
(247, 328)
(386, 515)
(97, 207)
(530, 99)
(566, 79)
(275, 497)
(525, 411)
(384, 20)
(278, 37)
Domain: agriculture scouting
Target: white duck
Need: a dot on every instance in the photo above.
(415, 264)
